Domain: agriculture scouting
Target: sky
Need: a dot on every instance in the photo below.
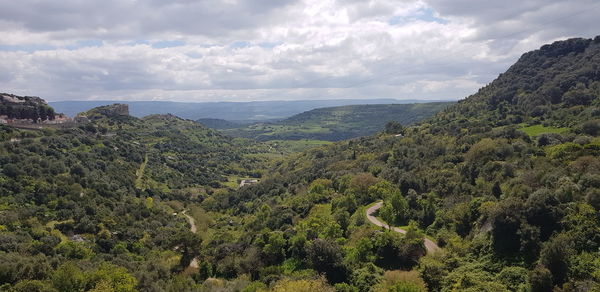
(242, 50)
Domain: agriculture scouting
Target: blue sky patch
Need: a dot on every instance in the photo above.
(237, 45)
(84, 44)
(26, 48)
(425, 14)
(167, 44)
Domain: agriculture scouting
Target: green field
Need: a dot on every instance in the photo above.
(536, 130)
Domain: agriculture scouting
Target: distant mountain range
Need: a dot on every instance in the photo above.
(232, 111)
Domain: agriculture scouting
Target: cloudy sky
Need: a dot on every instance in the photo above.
(241, 50)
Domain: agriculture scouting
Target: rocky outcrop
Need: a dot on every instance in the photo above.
(113, 110)
(24, 108)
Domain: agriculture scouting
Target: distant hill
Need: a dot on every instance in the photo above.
(338, 123)
(232, 111)
(219, 124)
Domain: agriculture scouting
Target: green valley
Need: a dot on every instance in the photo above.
(497, 192)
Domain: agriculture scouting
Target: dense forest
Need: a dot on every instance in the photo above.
(333, 123)
(506, 182)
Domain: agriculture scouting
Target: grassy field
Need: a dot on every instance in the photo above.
(536, 130)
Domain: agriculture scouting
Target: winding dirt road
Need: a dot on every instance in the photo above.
(429, 245)
(194, 262)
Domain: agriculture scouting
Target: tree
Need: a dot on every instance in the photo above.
(582, 226)
(205, 270)
(33, 286)
(514, 278)
(320, 186)
(274, 249)
(593, 198)
(286, 285)
(506, 222)
(591, 127)
(326, 257)
(359, 186)
(69, 278)
(342, 218)
(189, 244)
(496, 190)
(530, 242)
(113, 277)
(366, 277)
(393, 127)
(542, 210)
(540, 279)
(433, 271)
(555, 256)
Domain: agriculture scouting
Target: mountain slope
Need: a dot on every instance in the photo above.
(556, 85)
(338, 123)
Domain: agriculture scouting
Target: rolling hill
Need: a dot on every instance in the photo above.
(337, 123)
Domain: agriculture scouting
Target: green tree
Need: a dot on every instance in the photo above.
(189, 244)
(515, 278)
(540, 280)
(115, 277)
(359, 187)
(32, 286)
(555, 256)
(394, 127)
(366, 277)
(274, 249)
(433, 270)
(69, 278)
(326, 257)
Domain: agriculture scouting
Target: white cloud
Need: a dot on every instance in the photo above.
(260, 50)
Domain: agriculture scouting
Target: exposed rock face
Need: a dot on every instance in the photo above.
(11, 98)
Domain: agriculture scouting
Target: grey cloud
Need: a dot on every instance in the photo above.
(115, 19)
(518, 19)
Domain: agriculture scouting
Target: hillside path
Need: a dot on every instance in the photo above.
(430, 246)
(194, 262)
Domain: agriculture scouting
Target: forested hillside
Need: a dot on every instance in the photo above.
(96, 206)
(338, 123)
(505, 182)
